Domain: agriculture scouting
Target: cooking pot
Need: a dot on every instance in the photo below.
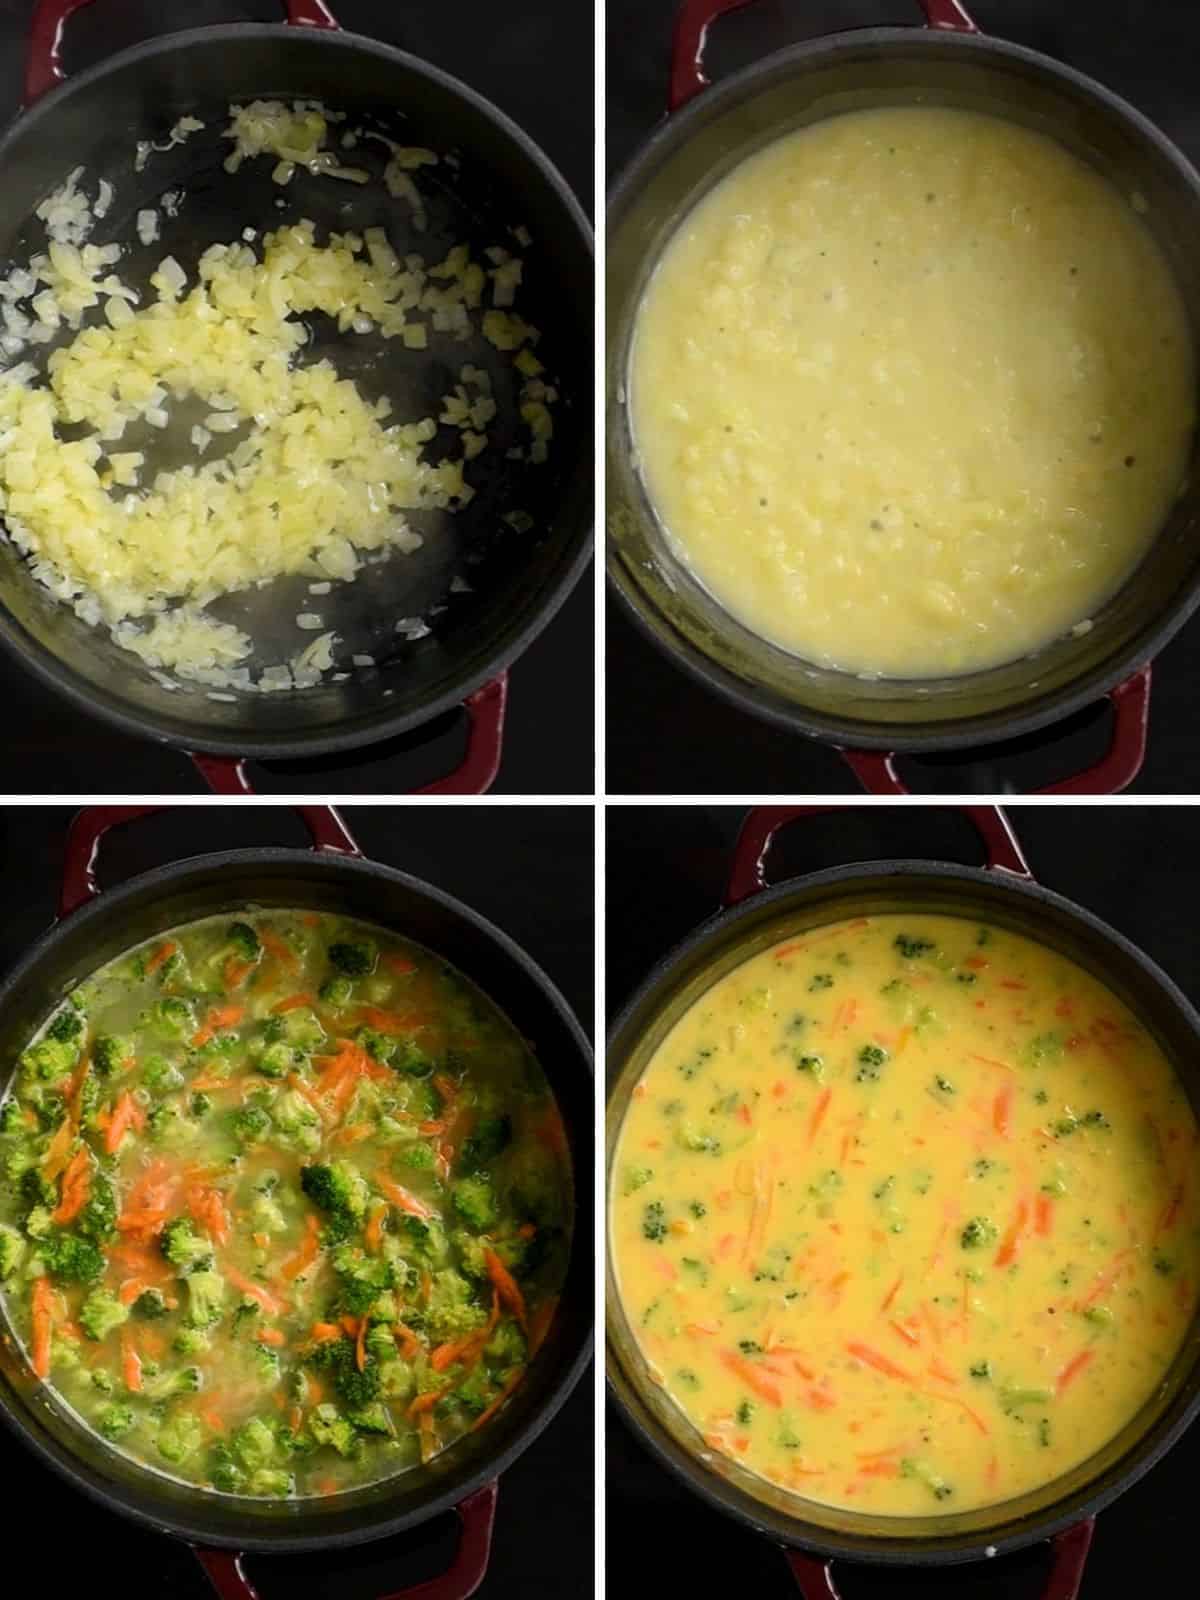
(503, 179)
(1003, 894)
(710, 131)
(333, 876)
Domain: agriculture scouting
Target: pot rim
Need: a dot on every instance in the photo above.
(285, 1540)
(1059, 1515)
(383, 723)
(844, 731)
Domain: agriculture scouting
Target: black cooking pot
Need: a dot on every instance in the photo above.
(949, 62)
(503, 179)
(92, 929)
(1005, 895)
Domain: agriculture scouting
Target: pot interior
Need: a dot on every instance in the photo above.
(715, 950)
(152, 905)
(854, 71)
(501, 183)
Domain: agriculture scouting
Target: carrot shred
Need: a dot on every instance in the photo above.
(1072, 1369)
(750, 1375)
(410, 1345)
(506, 1286)
(58, 1151)
(270, 1303)
(905, 1333)
(294, 1002)
(1002, 1110)
(374, 1230)
(76, 1185)
(236, 972)
(892, 1292)
(126, 1114)
(42, 1315)
(162, 955)
(322, 1332)
(282, 952)
(393, 1022)
(1043, 1220)
(1010, 1244)
(309, 1249)
(220, 1017)
(272, 1336)
(402, 1197)
(131, 1363)
(400, 964)
(881, 1363)
(818, 1113)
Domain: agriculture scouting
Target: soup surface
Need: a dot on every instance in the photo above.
(906, 1215)
(284, 1204)
(912, 391)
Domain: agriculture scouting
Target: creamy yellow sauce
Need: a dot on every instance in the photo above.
(913, 391)
(905, 1215)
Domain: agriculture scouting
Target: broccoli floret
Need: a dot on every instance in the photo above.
(910, 948)
(507, 1347)
(71, 1259)
(114, 1421)
(199, 1105)
(338, 1358)
(417, 1156)
(66, 1026)
(112, 1053)
(654, 1222)
(271, 1481)
(254, 1444)
(379, 1046)
(150, 1304)
(408, 1057)
(170, 1018)
(396, 1379)
(184, 1247)
(12, 1118)
(297, 1125)
(417, 1238)
(301, 1028)
(337, 991)
(223, 1470)
(266, 1366)
(328, 1427)
(169, 1385)
(180, 1436)
(475, 1201)
(354, 958)
(100, 1313)
(49, 1060)
(265, 1215)
(491, 1136)
(250, 1123)
(161, 1075)
(206, 1298)
(98, 1219)
(371, 1419)
(341, 1193)
(39, 1223)
(475, 1393)
(37, 1190)
(978, 1234)
(362, 1279)
(190, 1342)
(245, 941)
(278, 1059)
(12, 1251)
(452, 1311)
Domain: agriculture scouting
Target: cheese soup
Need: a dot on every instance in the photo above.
(905, 1215)
(912, 391)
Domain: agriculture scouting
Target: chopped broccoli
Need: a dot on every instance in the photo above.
(278, 1059)
(173, 1382)
(337, 1357)
(199, 1105)
(371, 1419)
(408, 1057)
(910, 948)
(452, 1310)
(100, 1313)
(272, 1481)
(98, 1219)
(254, 1444)
(66, 1026)
(245, 941)
(223, 1471)
(396, 1380)
(150, 1304)
(49, 1060)
(355, 958)
(71, 1259)
(184, 1247)
(250, 1123)
(362, 1279)
(418, 1156)
(161, 1075)
(266, 1366)
(475, 1202)
(37, 1190)
(654, 1222)
(297, 1125)
(206, 1298)
(336, 991)
(870, 1062)
(190, 1342)
(379, 1046)
(113, 1421)
(507, 1347)
(341, 1192)
(12, 1251)
(39, 1223)
(491, 1136)
(170, 1018)
(180, 1436)
(12, 1118)
(978, 1233)
(328, 1427)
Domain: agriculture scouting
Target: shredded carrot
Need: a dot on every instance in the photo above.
(322, 1332)
(374, 1230)
(1002, 1110)
(818, 1113)
(1043, 1220)
(874, 1358)
(126, 1114)
(400, 964)
(220, 1017)
(1072, 1369)
(752, 1377)
(428, 1129)
(360, 1345)
(393, 1022)
(131, 1363)
(1010, 1244)
(214, 1419)
(410, 1345)
(236, 972)
(42, 1313)
(905, 1333)
(309, 1249)
(294, 1002)
(58, 1151)
(282, 952)
(129, 1290)
(425, 1402)
(273, 1336)
(1105, 1280)
(400, 1196)
(270, 1303)
(76, 1184)
(208, 1208)
(892, 1292)
(539, 1323)
(506, 1286)
(162, 955)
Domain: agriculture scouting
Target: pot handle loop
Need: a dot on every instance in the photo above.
(748, 869)
(476, 773)
(1115, 771)
(89, 827)
(695, 17)
(477, 1514)
(1068, 1555)
(43, 56)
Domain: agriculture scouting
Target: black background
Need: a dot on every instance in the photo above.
(680, 739)
(538, 67)
(666, 868)
(531, 872)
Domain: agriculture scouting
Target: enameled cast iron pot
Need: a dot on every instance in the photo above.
(92, 928)
(948, 62)
(1004, 894)
(503, 179)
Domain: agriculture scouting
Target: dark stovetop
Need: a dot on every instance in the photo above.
(680, 740)
(55, 749)
(665, 869)
(531, 872)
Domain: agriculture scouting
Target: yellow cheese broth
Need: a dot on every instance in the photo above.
(912, 391)
(904, 1215)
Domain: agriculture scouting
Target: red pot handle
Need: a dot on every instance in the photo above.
(485, 711)
(43, 58)
(1069, 1553)
(462, 1578)
(748, 869)
(696, 17)
(90, 826)
(1116, 769)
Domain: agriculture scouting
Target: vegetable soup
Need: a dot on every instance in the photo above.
(284, 1204)
(905, 1214)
